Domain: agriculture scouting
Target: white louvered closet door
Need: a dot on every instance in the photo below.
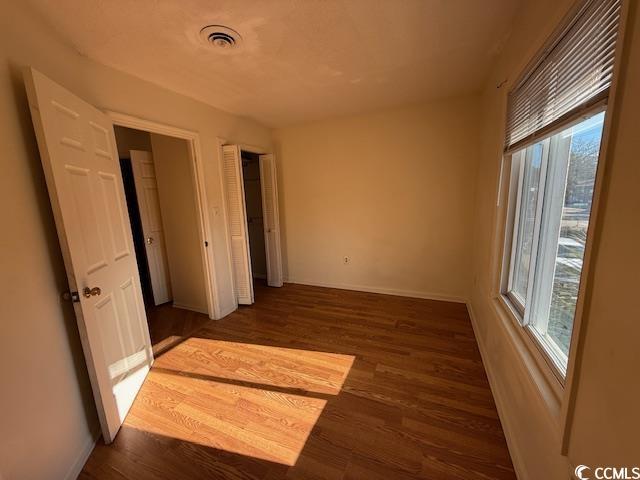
(237, 218)
(271, 219)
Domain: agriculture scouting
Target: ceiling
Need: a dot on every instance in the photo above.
(301, 60)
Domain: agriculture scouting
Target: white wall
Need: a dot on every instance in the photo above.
(180, 221)
(46, 410)
(392, 190)
(607, 419)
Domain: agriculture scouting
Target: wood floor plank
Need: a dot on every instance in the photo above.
(312, 383)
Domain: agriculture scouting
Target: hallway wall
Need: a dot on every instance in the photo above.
(128, 139)
(180, 221)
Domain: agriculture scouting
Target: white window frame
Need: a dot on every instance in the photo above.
(557, 390)
(553, 356)
(518, 302)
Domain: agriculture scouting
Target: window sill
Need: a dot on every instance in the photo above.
(549, 387)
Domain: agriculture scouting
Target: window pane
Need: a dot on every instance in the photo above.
(569, 250)
(555, 182)
(526, 220)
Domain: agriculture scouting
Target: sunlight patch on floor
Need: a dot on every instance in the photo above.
(260, 423)
(311, 371)
(254, 400)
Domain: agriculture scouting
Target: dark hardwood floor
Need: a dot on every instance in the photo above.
(169, 326)
(312, 383)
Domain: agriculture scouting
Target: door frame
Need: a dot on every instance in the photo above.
(200, 194)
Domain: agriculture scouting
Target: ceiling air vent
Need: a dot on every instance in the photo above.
(220, 37)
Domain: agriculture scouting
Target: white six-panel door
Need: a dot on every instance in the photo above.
(144, 175)
(237, 218)
(271, 219)
(80, 161)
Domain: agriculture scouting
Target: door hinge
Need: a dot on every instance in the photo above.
(71, 296)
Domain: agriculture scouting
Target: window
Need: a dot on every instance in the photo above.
(555, 181)
(555, 121)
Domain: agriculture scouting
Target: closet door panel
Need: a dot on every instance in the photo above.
(237, 223)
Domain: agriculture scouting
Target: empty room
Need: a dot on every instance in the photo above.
(320, 239)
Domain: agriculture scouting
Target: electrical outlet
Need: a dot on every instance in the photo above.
(346, 260)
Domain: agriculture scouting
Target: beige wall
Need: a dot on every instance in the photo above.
(128, 139)
(180, 221)
(47, 415)
(606, 418)
(392, 190)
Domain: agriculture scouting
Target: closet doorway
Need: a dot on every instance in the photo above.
(251, 201)
(162, 202)
(255, 217)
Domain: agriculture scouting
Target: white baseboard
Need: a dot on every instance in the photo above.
(191, 308)
(386, 291)
(83, 456)
(498, 397)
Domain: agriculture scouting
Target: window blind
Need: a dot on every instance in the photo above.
(574, 71)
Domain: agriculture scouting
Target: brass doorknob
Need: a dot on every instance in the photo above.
(149, 240)
(91, 292)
